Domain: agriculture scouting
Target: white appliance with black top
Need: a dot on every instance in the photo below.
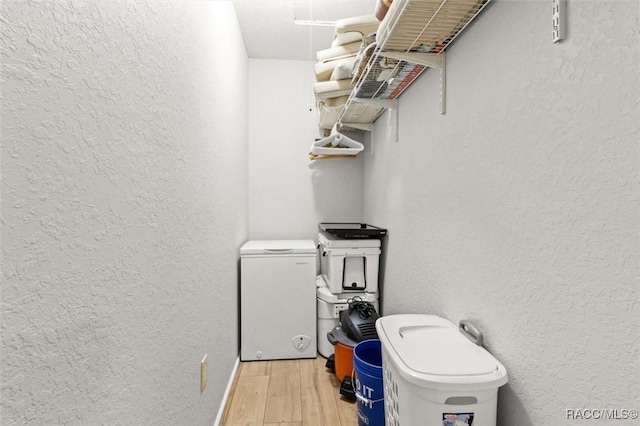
(348, 269)
(349, 265)
(329, 307)
(278, 300)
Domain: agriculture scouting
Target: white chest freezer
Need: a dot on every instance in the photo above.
(278, 300)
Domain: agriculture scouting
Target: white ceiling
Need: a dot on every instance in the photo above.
(270, 33)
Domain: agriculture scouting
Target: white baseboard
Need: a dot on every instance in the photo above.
(226, 392)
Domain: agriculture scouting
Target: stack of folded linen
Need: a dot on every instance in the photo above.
(334, 69)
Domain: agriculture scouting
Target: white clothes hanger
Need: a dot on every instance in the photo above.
(336, 144)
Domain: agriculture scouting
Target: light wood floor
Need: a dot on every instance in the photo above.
(287, 393)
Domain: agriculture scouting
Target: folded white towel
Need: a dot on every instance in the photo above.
(338, 52)
(364, 25)
(332, 88)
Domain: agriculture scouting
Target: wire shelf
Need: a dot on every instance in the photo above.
(425, 27)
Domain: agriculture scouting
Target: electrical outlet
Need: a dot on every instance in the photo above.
(203, 373)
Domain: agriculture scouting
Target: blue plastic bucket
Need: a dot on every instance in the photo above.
(367, 363)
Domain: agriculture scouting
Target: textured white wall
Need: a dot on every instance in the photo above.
(124, 203)
(518, 209)
(289, 195)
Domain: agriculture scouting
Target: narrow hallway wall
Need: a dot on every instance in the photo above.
(289, 195)
(518, 209)
(124, 204)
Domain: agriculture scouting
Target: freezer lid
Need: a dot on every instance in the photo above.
(428, 344)
(278, 247)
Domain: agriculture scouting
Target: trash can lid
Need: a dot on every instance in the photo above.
(277, 247)
(432, 348)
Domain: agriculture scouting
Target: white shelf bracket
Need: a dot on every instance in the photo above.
(371, 142)
(359, 126)
(394, 116)
(559, 20)
(384, 103)
(443, 85)
(391, 105)
(433, 60)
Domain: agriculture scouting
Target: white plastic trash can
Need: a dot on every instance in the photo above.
(434, 375)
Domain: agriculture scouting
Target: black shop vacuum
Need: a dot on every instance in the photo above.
(357, 323)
